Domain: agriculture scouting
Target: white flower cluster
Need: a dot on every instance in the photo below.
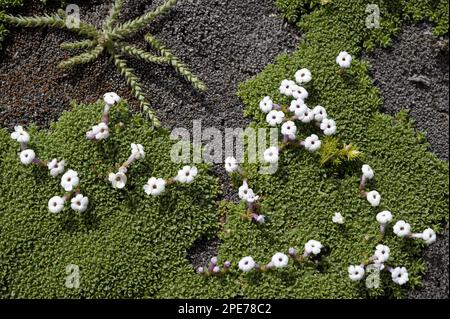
(300, 112)
(276, 115)
(373, 197)
(101, 131)
(69, 180)
(399, 275)
(27, 156)
(401, 229)
(281, 260)
(119, 179)
(20, 135)
(156, 186)
(245, 193)
(213, 268)
(380, 257)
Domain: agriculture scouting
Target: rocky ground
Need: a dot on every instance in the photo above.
(224, 43)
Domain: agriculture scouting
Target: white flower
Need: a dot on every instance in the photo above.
(313, 246)
(312, 143)
(90, 135)
(400, 275)
(299, 93)
(304, 114)
(271, 155)
(187, 174)
(280, 260)
(338, 218)
(243, 190)
(20, 135)
(286, 87)
(56, 167)
(296, 105)
(382, 253)
(137, 150)
(374, 198)
(246, 264)
(261, 219)
(27, 156)
(402, 229)
(79, 203)
(356, 272)
(266, 104)
(56, 204)
(367, 171)
(231, 164)
(111, 98)
(288, 128)
(118, 180)
(274, 117)
(328, 126)
(246, 193)
(155, 186)
(100, 131)
(429, 236)
(303, 76)
(319, 113)
(69, 180)
(344, 60)
(384, 217)
(250, 196)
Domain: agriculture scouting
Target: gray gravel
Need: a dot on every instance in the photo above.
(414, 74)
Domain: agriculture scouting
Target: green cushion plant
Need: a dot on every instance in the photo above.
(127, 242)
(302, 197)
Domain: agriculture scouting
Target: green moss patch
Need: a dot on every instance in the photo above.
(126, 244)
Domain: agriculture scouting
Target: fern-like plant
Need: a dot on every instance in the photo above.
(111, 39)
(331, 153)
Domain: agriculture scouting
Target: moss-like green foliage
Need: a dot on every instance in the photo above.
(293, 9)
(127, 244)
(435, 11)
(392, 14)
(301, 197)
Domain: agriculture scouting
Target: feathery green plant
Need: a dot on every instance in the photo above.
(331, 152)
(111, 39)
